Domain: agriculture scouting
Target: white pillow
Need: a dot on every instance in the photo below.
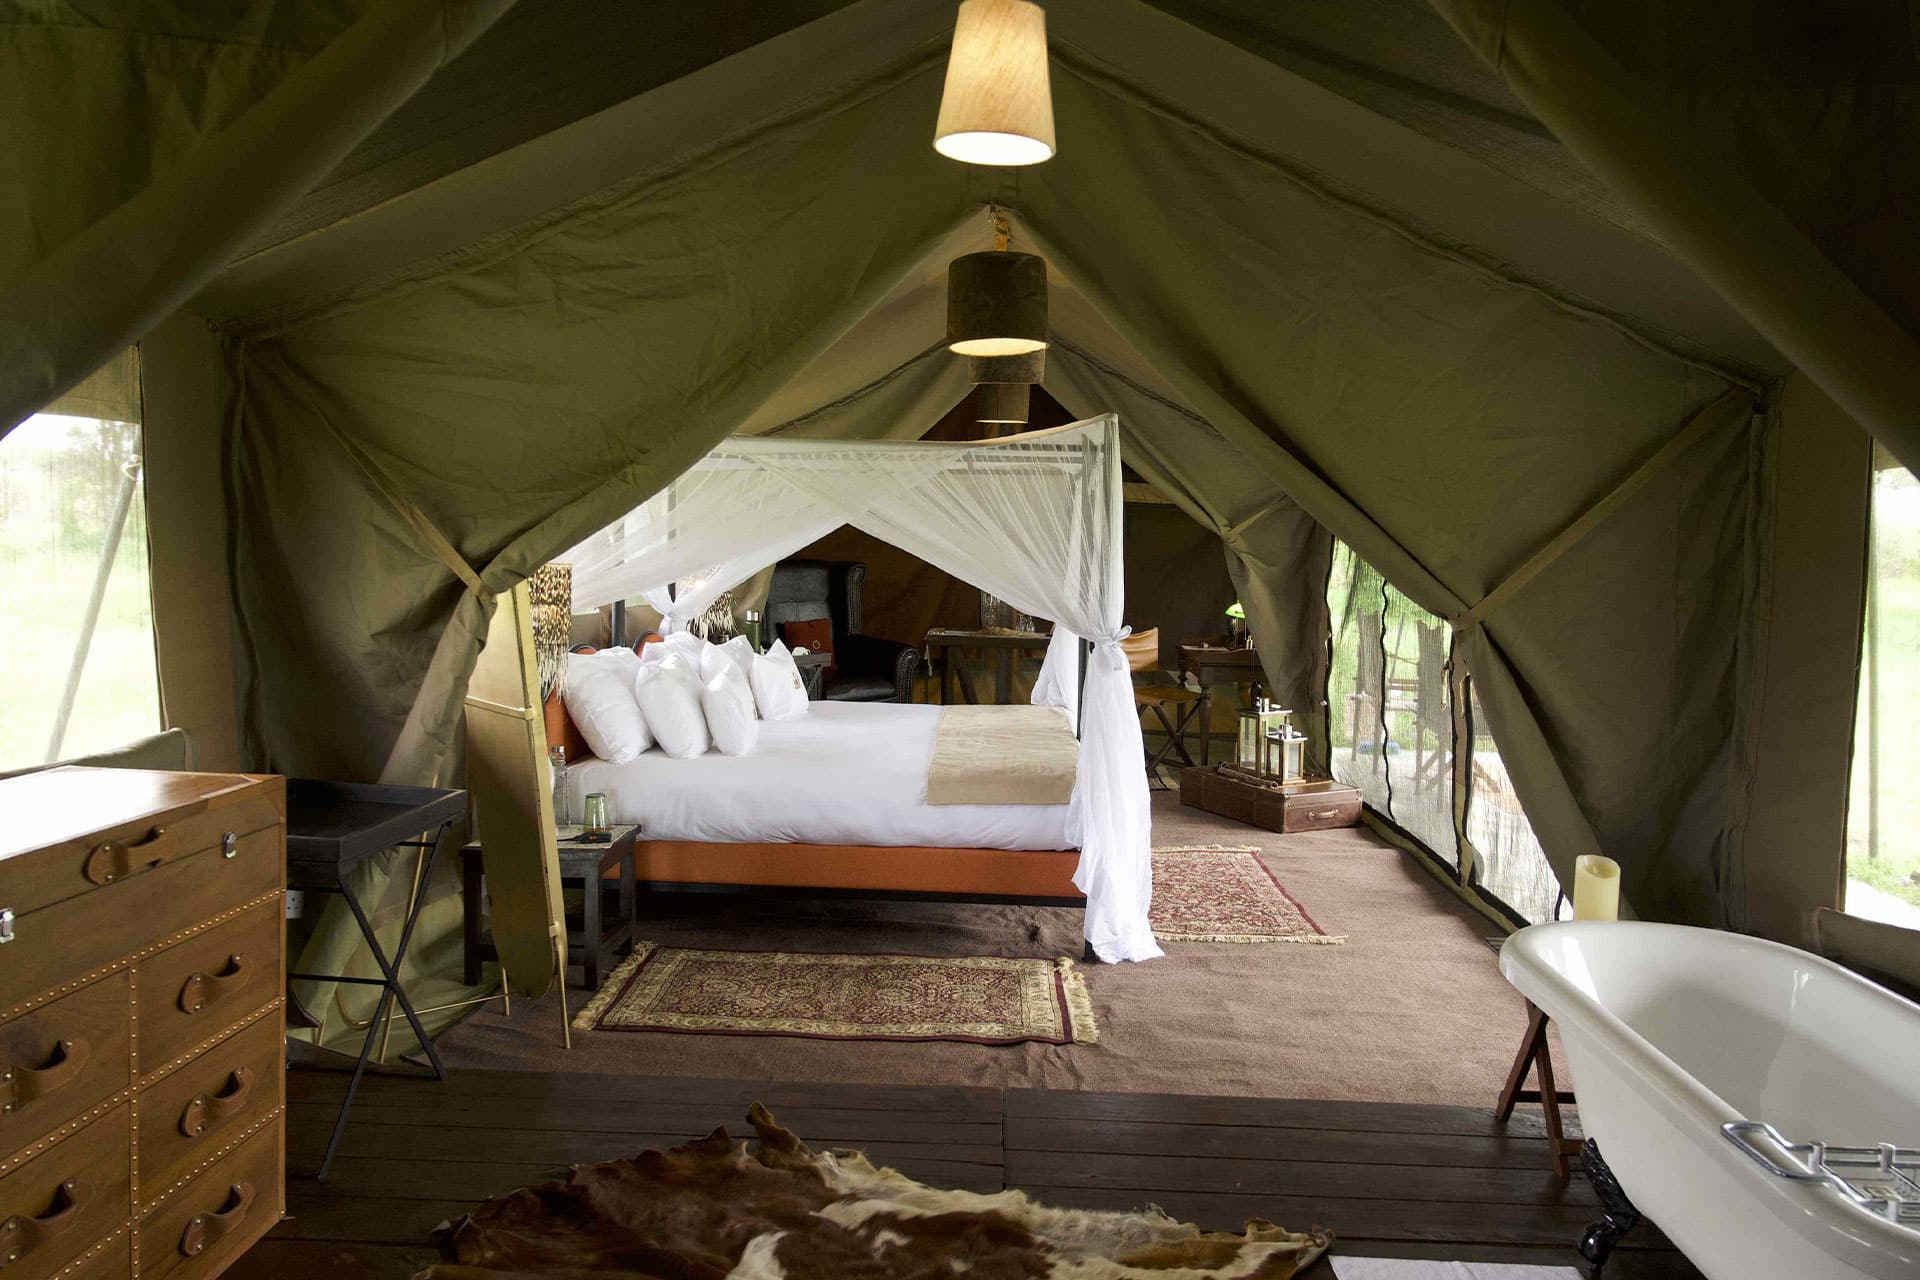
(728, 703)
(778, 689)
(737, 651)
(599, 697)
(669, 695)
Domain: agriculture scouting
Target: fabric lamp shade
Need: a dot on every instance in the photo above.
(997, 304)
(997, 107)
(1000, 402)
(1029, 367)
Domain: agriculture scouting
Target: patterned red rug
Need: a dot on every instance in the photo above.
(830, 996)
(1219, 893)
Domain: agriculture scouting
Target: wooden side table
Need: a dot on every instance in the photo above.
(583, 863)
(334, 827)
(813, 673)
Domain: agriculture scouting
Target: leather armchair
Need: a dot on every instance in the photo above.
(866, 668)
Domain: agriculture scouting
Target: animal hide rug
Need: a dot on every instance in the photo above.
(712, 1209)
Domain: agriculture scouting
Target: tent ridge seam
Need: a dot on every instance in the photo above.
(1081, 353)
(175, 37)
(286, 317)
(860, 392)
(1093, 71)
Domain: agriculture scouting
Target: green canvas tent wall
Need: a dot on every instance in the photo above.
(430, 292)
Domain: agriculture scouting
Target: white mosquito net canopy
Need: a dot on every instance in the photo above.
(1035, 519)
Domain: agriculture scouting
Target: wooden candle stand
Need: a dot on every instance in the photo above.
(1534, 1053)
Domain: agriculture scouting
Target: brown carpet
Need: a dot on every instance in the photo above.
(833, 996)
(1411, 1009)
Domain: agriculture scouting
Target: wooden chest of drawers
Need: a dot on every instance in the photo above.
(142, 1068)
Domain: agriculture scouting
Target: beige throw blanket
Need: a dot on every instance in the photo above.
(1002, 755)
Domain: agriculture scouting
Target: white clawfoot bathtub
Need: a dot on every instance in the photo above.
(1671, 1032)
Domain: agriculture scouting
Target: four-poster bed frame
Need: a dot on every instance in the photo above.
(1035, 518)
(928, 873)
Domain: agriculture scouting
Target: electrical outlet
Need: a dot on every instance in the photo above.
(296, 904)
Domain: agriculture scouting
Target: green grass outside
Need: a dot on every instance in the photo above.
(1886, 853)
(58, 481)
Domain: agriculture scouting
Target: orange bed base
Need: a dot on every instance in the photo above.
(865, 868)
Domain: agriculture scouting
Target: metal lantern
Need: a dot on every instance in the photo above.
(996, 304)
(1268, 745)
(1255, 754)
(1287, 749)
(1251, 743)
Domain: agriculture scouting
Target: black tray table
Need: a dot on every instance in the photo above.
(333, 827)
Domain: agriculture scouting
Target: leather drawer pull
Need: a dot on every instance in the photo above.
(21, 1085)
(20, 1233)
(201, 989)
(211, 1228)
(208, 1110)
(116, 860)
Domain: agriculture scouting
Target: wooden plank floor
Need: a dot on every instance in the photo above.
(1389, 1180)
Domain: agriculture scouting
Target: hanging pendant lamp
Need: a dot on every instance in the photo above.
(996, 303)
(1029, 368)
(997, 107)
(1001, 403)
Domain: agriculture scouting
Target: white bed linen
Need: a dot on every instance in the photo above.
(844, 773)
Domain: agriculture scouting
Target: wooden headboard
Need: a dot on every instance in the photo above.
(561, 730)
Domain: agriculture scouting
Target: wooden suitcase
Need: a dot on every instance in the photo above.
(142, 1069)
(1314, 804)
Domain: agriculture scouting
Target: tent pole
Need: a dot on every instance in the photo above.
(109, 550)
(1085, 647)
(619, 623)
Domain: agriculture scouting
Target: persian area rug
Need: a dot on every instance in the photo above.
(1221, 893)
(973, 999)
(714, 1207)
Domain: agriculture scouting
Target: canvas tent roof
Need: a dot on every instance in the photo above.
(480, 290)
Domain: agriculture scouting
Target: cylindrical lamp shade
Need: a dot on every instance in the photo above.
(997, 304)
(1030, 368)
(1001, 402)
(997, 107)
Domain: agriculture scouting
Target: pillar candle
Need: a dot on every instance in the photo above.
(1596, 888)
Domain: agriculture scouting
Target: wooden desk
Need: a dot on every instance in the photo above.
(1006, 644)
(1211, 665)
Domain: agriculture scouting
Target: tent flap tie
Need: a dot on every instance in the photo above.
(1716, 414)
